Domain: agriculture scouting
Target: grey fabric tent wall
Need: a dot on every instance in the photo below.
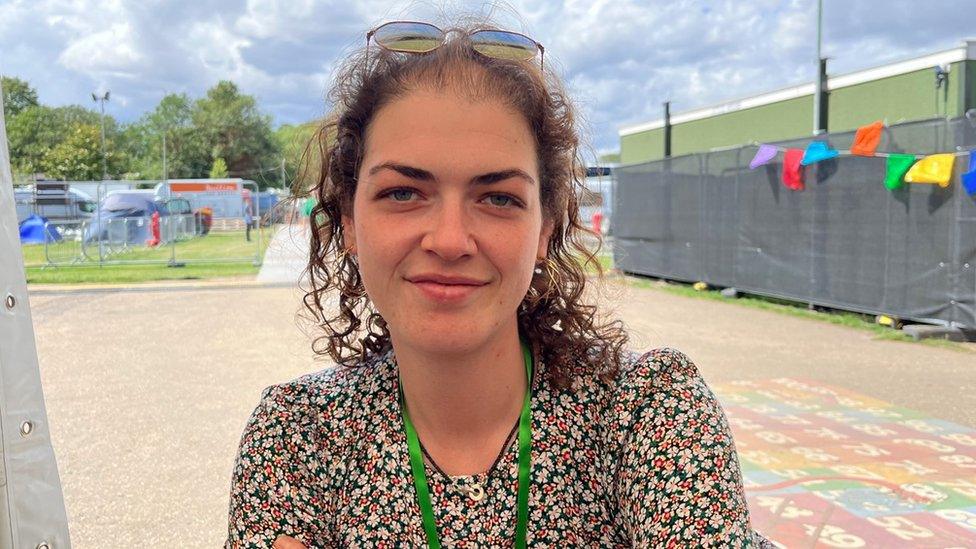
(32, 512)
(845, 241)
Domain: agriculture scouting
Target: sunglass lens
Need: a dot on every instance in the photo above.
(503, 45)
(409, 37)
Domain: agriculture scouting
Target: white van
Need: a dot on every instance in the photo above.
(56, 201)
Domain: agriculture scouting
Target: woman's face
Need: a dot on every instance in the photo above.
(447, 223)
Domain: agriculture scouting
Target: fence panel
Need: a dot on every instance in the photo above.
(844, 241)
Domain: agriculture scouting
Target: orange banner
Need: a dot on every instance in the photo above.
(201, 187)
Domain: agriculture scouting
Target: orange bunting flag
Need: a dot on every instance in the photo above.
(867, 139)
(936, 168)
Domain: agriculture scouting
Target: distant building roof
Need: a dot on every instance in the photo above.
(966, 51)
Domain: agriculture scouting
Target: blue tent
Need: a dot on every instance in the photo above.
(32, 231)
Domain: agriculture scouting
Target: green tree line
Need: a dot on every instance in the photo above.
(223, 133)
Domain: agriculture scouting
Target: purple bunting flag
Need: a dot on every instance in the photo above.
(763, 156)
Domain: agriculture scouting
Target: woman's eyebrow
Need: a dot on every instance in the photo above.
(424, 175)
(404, 170)
(494, 177)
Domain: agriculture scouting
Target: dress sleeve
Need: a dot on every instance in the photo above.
(274, 489)
(679, 481)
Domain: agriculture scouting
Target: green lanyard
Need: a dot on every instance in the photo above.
(525, 465)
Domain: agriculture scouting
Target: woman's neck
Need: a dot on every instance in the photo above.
(463, 405)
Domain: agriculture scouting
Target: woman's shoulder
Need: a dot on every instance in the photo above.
(654, 384)
(640, 372)
(655, 369)
(334, 389)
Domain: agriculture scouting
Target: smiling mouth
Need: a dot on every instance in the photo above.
(437, 291)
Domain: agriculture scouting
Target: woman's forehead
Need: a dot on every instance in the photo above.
(440, 131)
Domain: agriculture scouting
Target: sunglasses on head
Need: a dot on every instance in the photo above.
(416, 37)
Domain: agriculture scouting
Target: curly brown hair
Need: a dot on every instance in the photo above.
(571, 337)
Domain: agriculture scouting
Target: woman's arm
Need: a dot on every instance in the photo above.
(275, 489)
(679, 481)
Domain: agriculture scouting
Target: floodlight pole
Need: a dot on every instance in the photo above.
(165, 169)
(165, 128)
(101, 250)
(101, 99)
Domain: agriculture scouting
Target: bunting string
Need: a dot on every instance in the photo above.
(900, 168)
(847, 152)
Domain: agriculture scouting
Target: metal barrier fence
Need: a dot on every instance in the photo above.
(844, 242)
(130, 240)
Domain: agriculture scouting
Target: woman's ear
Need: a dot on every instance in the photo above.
(348, 234)
(544, 236)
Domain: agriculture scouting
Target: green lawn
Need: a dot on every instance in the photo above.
(227, 254)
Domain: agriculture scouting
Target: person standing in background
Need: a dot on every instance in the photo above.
(248, 221)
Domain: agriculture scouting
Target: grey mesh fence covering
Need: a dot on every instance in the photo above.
(845, 241)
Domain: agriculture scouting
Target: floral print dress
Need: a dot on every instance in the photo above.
(644, 461)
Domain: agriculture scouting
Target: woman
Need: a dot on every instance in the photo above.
(479, 401)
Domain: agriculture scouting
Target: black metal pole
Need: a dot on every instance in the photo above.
(667, 129)
(822, 97)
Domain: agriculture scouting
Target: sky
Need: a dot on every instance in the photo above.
(620, 59)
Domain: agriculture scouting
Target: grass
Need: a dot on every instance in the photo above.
(833, 316)
(228, 252)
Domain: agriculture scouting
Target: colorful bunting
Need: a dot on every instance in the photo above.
(897, 167)
(936, 168)
(763, 156)
(817, 151)
(969, 178)
(792, 171)
(867, 139)
(900, 168)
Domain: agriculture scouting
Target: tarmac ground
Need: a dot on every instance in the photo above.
(148, 390)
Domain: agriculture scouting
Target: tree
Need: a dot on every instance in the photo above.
(37, 129)
(219, 169)
(300, 148)
(17, 96)
(79, 156)
(187, 153)
(231, 124)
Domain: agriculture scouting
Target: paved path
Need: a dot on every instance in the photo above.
(148, 391)
(286, 256)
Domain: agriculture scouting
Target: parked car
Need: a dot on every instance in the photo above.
(123, 217)
(126, 217)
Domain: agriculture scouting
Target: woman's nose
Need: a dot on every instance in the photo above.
(450, 232)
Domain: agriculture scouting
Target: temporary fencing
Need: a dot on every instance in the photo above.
(846, 241)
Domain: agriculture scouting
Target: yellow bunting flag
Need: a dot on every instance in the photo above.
(936, 168)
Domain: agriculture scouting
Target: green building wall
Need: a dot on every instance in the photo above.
(900, 98)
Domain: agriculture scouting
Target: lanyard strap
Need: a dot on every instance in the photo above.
(524, 473)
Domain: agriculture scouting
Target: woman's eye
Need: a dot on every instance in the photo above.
(501, 200)
(401, 195)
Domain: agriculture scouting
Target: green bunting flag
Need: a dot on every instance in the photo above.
(897, 167)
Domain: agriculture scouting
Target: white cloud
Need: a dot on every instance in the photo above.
(621, 58)
(112, 50)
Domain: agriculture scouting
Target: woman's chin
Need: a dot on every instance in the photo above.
(446, 337)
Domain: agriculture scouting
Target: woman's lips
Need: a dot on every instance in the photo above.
(445, 292)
